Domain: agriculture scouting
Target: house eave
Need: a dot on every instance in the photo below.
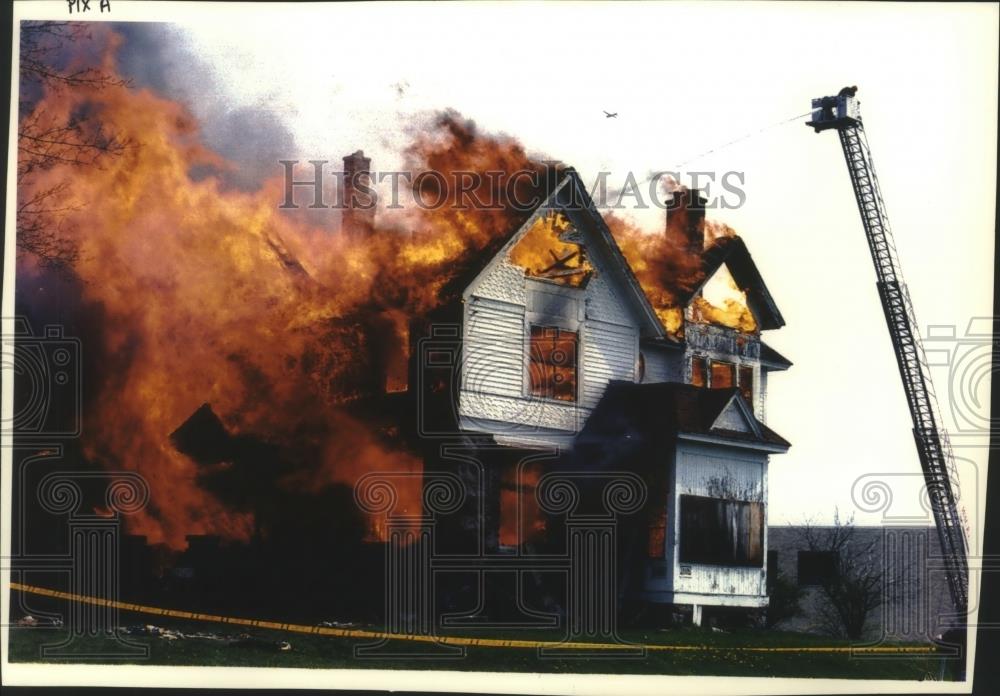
(729, 442)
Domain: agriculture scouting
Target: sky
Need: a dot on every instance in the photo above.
(318, 82)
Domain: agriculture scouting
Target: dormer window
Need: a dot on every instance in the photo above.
(720, 374)
(723, 374)
(746, 383)
(699, 371)
(553, 363)
(547, 252)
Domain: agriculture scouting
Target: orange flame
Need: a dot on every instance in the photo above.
(213, 295)
(208, 294)
(543, 253)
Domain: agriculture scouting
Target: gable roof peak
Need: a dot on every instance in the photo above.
(732, 252)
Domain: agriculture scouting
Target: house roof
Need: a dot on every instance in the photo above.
(733, 252)
(563, 187)
(770, 359)
(672, 409)
(571, 195)
(470, 267)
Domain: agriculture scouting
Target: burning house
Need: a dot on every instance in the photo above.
(559, 357)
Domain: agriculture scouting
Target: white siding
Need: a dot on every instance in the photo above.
(722, 581)
(609, 354)
(510, 415)
(501, 306)
(603, 303)
(493, 355)
(732, 419)
(699, 468)
(762, 396)
(504, 282)
(663, 365)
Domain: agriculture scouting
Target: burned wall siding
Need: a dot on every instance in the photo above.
(739, 476)
(720, 531)
(716, 345)
(709, 338)
(721, 585)
(707, 472)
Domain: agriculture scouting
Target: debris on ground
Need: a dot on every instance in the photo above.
(241, 640)
(44, 621)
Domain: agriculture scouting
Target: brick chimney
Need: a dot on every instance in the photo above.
(357, 196)
(686, 220)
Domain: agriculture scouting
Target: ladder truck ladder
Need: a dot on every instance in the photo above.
(842, 113)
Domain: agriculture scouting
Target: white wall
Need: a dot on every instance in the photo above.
(696, 465)
(502, 305)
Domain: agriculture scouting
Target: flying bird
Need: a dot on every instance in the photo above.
(607, 115)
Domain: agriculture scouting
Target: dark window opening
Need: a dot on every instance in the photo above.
(815, 567)
(521, 519)
(746, 383)
(723, 375)
(658, 536)
(699, 371)
(772, 568)
(721, 532)
(553, 363)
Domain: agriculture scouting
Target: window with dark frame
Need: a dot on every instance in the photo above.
(722, 375)
(815, 567)
(746, 383)
(553, 368)
(699, 371)
(715, 531)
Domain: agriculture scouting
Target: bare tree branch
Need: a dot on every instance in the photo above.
(44, 141)
(858, 583)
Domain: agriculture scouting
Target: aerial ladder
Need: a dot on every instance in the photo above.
(842, 113)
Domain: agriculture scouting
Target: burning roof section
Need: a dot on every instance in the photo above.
(697, 263)
(555, 223)
(731, 254)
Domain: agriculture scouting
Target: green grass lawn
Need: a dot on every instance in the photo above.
(717, 654)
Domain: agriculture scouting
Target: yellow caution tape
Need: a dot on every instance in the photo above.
(453, 640)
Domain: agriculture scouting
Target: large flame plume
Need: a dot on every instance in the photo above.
(208, 294)
(213, 295)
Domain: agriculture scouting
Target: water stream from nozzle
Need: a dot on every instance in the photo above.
(744, 137)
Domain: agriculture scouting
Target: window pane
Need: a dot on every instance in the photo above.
(721, 532)
(723, 375)
(553, 363)
(772, 568)
(698, 371)
(564, 383)
(816, 566)
(746, 383)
